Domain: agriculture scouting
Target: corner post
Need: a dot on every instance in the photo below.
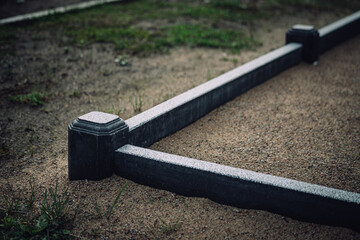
(92, 141)
(309, 37)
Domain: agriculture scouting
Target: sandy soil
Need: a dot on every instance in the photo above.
(34, 139)
(304, 124)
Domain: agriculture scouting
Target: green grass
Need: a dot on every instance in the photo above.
(19, 219)
(33, 99)
(119, 24)
(200, 36)
(179, 24)
(136, 40)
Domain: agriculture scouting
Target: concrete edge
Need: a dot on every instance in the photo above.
(178, 112)
(239, 187)
(339, 31)
(64, 9)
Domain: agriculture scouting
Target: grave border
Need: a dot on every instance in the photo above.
(288, 197)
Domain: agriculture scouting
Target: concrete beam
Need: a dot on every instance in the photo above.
(339, 31)
(238, 187)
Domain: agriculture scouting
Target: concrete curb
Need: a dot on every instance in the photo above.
(64, 9)
(238, 187)
(339, 31)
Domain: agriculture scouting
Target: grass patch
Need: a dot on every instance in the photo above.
(135, 40)
(200, 36)
(136, 102)
(181, 23)
(20, 220)
(33, 99)
(168, 228)
(119, 24)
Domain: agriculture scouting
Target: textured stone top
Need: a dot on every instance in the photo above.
(303, 27)
(99, 123)
(98, 117)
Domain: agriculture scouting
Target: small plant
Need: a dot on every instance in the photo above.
(33, 99)
(66, 50)
(110, 210)
(19, 219)
(136, 102)
(113, 111)
(168, 228)
(106, 72)
(76, 94)
(122, 60)
(54, 206)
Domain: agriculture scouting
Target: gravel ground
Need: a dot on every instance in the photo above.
(304, 124)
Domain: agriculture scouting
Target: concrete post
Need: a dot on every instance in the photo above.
(93, 138)
(308, 36)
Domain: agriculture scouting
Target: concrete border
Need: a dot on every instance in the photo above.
(225, 184)
(239, 187)
(339, 31)
(64, 9)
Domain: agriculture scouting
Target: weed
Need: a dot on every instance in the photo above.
(54, 206)
(122, 60)
(108, 213)
(106, 72)
(234, 61)
(111, 209)
(33, 99)
(66, 50)
(208, 75)
(136, 102)
(76, 94)
(117, 112)
(19, 219)
(168, 228)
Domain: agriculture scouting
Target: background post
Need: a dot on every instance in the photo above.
(309, 37)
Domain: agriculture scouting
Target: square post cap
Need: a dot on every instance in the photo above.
(92, 141)
(309, 37)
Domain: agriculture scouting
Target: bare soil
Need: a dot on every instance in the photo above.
(34, 139)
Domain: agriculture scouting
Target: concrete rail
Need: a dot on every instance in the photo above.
(239, 187)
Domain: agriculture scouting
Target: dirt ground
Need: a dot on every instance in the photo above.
(34, 139)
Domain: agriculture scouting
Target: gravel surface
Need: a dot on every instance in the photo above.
(304, 124)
